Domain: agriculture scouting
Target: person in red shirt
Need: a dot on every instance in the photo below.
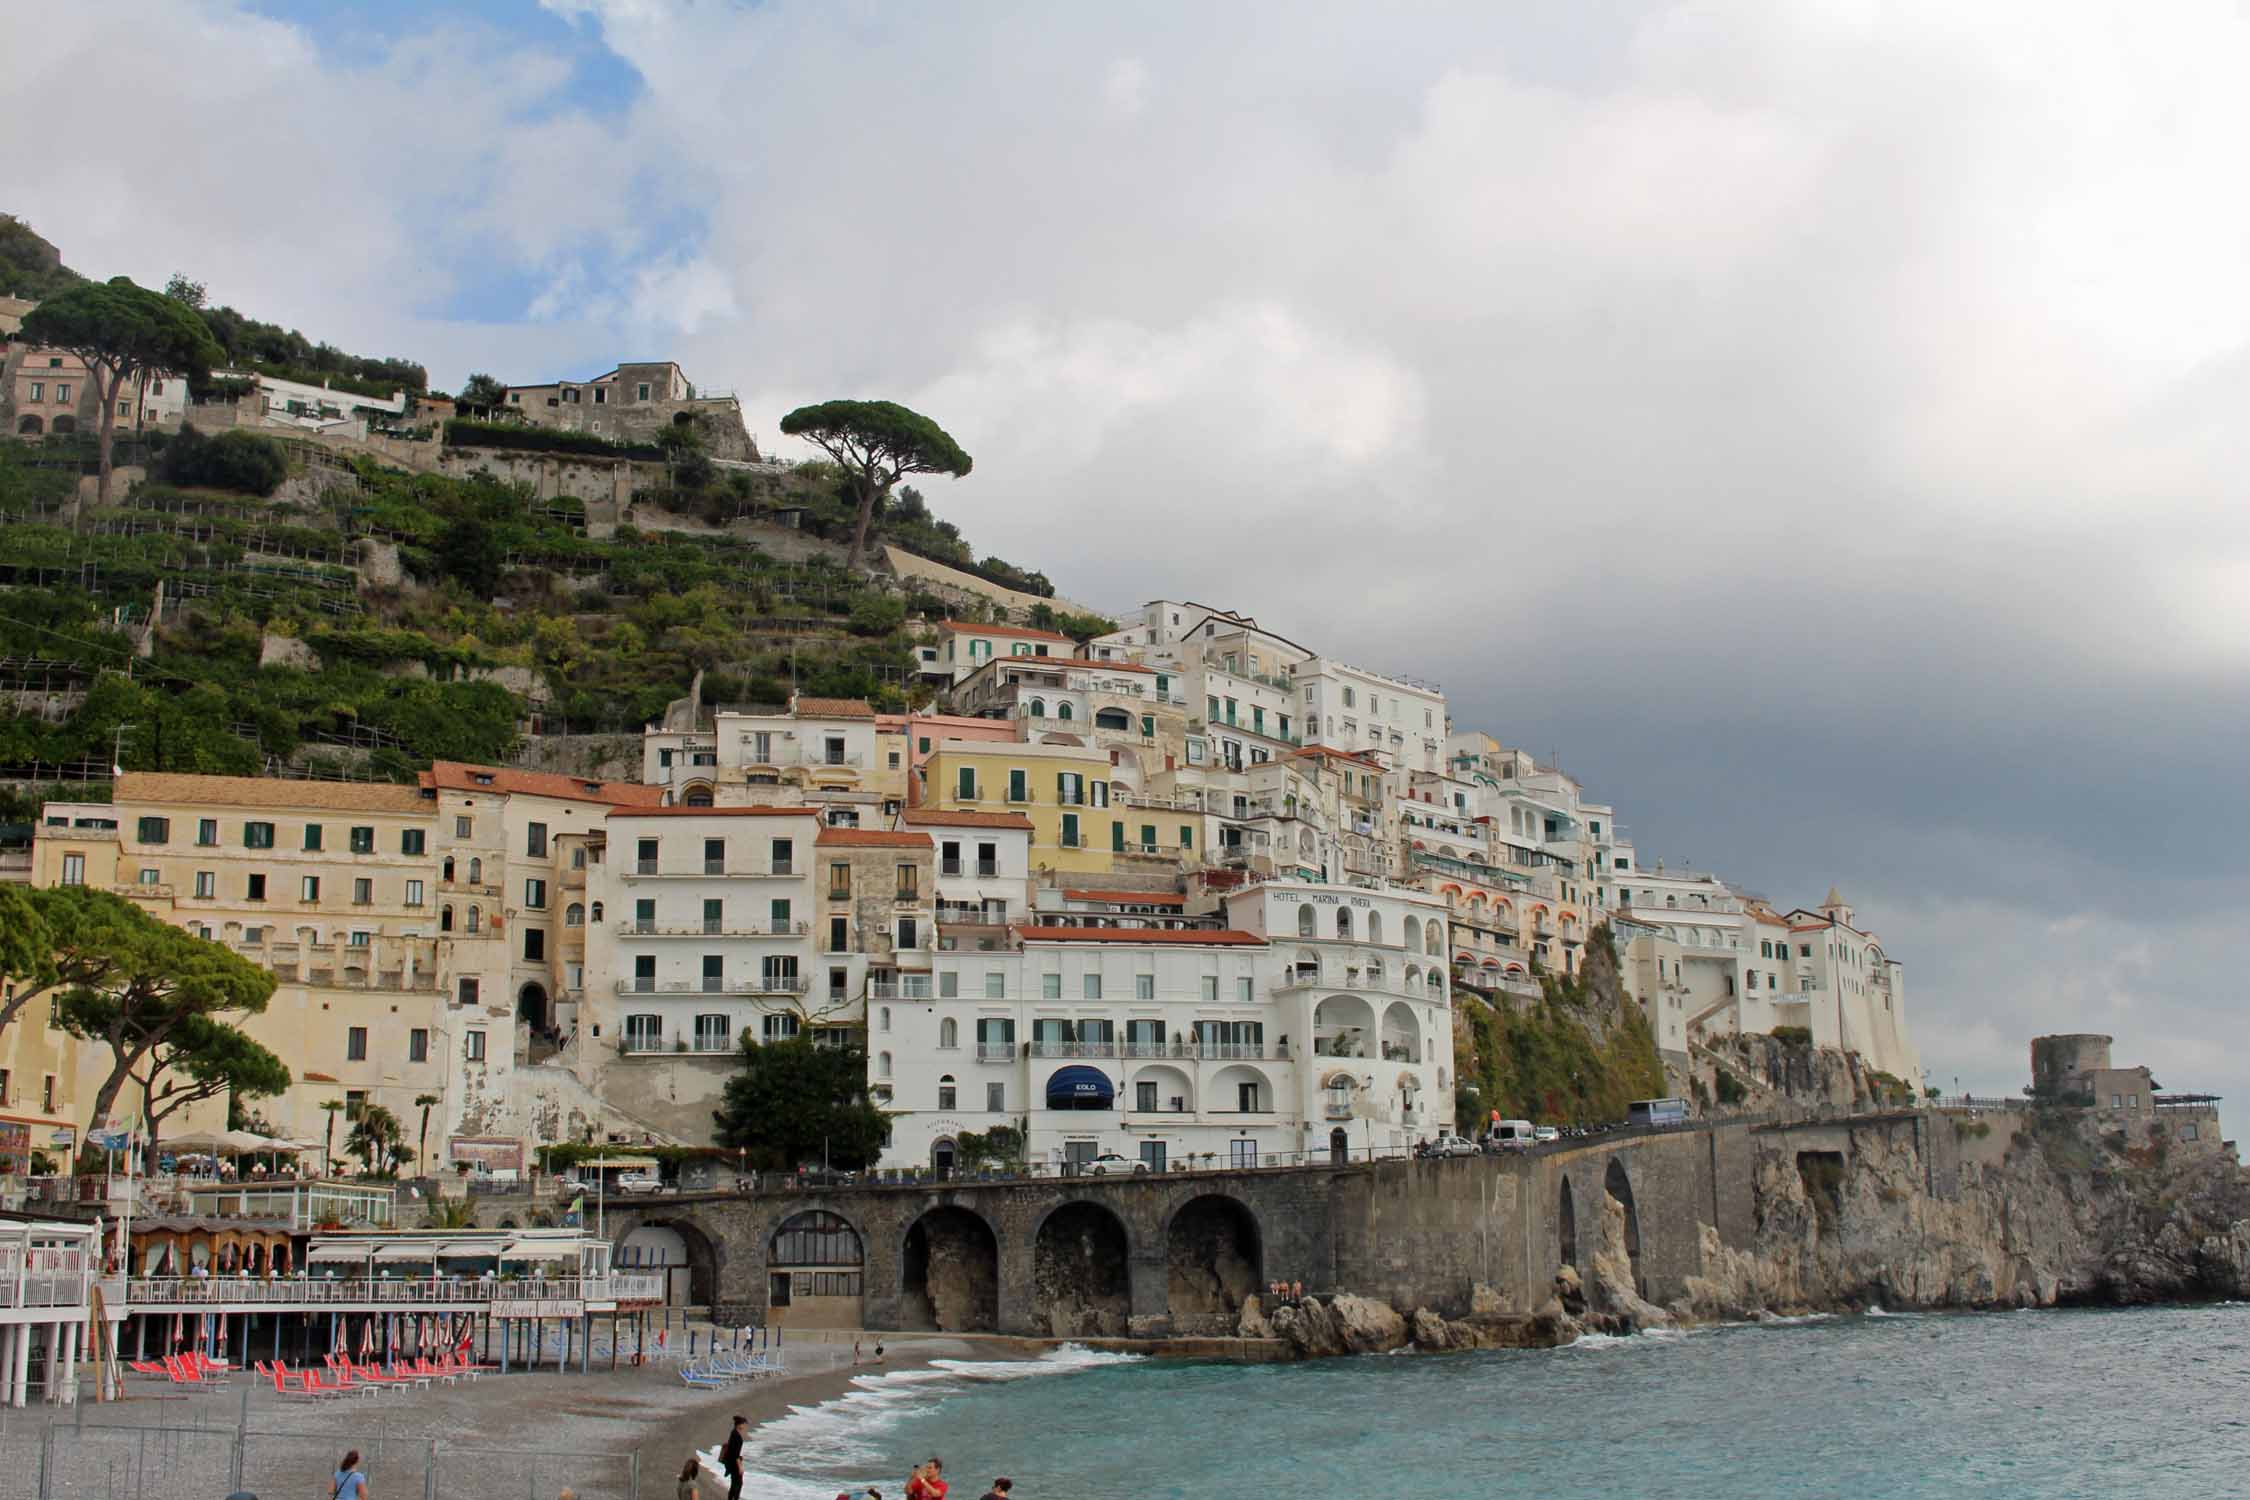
(927, 1482)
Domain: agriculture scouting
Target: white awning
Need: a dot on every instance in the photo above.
(470, 1249)
(425, 1252)
(338, 1252)
(620, 1163)
(541, 1250)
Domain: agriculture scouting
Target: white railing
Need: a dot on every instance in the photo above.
(402, 1290)
(44, 1278)
(757, 984)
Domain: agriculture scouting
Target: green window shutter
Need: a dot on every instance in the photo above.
(1117, 837)
(1019, 786)
(1187, 837)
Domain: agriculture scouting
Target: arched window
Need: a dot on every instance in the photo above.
(574, 915)
(446, 870)
(1375, 972)
(1437, 985)
(1062, 710)
(597, 911)
(1344, 922)
(883, 1065)
(698, 796)
(1304, 921)
(1374, 926)
(476, 920)
(949, 1033)
(815, 1239)
(1039, 708)
(445, 918)
(476, 872)
(1413, 935)
(947, 1094)
(883, 1018)
(1434, 938)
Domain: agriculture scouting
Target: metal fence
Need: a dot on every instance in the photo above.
(100, 1461)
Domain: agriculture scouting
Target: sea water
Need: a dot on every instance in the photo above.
(2015, 1406)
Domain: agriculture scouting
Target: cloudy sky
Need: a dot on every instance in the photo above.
(1817, 422)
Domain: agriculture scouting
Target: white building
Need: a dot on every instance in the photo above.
(1401, 721)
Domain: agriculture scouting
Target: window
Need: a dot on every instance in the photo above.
(534, 945)
(996, 1098)
(39, 390)
(308, 888)
(207, 832)
(363, 840)
(779, 1028)
(784, 853)
(363, 892)
(1092, 986)
(965, 783)
(467, 993)
(313, 836)
(257, 835)
(839, 934)
(1144, 986)
(995, 984)
(414, 893)
(640, 390)
(840, 881)
(1210, 989)
(206, 884)
(535, 841)
(949, 1032)
(949, 986)
(47, 1093)
(155, 830)
(946, 1093)
(1117, 838)
(411, 840)
(472, 1040)
(909, 882)
(1070, 838)
(1019, 786)
(1050, 986)
(1243, 990)
(535, 895)
(355, 1044)
(908, 934)
(254, 888)
(74, 869)
(463, 827)
(418, 1044)
(62, 393)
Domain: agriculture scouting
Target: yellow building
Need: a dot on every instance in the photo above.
(1064, 787)
(332, 886)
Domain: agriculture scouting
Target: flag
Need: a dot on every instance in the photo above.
(108, 1140)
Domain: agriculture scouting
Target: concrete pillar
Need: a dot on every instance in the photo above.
(9, 1333)
(73, 1334)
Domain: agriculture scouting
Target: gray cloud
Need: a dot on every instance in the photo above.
(1818, 423)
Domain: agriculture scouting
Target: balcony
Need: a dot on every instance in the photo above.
(708, 868)
(996, 1052)
(703, 1045)
(735, 984)
(1073, 1049)
(981, 869)
(828, 761)
(635, 927)
(144, 891)
(892, 989)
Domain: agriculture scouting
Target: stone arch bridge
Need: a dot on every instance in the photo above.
(1174, 1254)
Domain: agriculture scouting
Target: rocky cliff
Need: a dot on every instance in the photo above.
(2029, 1208)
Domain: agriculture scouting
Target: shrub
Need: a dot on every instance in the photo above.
(1730, 1088)
(1793, 1036)
(240, 461)
(467, 432)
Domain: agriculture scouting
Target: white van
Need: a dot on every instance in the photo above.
(1513, 1135)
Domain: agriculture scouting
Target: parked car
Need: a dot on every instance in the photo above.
(1513, 1135)
(1453, 1145)
(1110, 1164)
(639, 1182)
(1544, 1133)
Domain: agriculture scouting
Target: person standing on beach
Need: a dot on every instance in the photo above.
(730, 1457)
(350, 1483)
(1000, 1490)
(691, 1475)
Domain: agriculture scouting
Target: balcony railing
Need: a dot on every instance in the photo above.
(738, 984)
(881, 989)
(996, 1052)
(638, 927)
(700, 1045)
(655, 870)
(1073, 1049)
(981, 869)
(849, 761)
(423, 1291)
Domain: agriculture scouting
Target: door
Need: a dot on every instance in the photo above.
(941, 1159)
(1242, 1153)
(1077, 1153)
(1339, 1147)
(1152, 1154)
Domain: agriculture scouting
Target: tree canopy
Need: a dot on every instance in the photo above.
(144, 984)
(794, 1104)
(205, 1059)
(876, 443)
(123, 332)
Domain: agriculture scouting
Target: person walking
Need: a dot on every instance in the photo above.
(730, 1457)
(350, 1483)
(691, 1474)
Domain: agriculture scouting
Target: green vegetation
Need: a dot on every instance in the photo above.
(1579, 1054)
(876, 444)
(470, 432)
(240, 461)
(1793, 1036)
(1971, 1130)
(29, 266)
(1730, 1089)
(796, 1103)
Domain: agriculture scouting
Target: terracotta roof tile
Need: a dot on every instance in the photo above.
(874, 838)
(835, 708)
(941, 818)
(453, 776)
(763, 810)
(1200, 937)
(270, 791)
(963, 627)
(1143, 898)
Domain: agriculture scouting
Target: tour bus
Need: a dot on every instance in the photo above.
(1656, 1112)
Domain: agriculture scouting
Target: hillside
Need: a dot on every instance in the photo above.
(1580, 1052)
(363, 620)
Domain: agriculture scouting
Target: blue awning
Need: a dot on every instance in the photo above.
(1080, 1088)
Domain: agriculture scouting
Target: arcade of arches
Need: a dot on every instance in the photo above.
(950, 1279)
(1078, 1273)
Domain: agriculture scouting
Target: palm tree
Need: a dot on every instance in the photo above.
(374, 1133)
(452, 1213)
(422, 1142)
(328, 1146)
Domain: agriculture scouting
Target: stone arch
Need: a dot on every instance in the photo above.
(1079, 1278)
(1566, 1224)
(1304, 921)
(62, 425)
(949, 1273)
(1344, 923)
(815, 1270)
(1215, 1258)
(1402, 1033)
(1343, 1026)
(1619, 1186)
(1374, 926)
(1413, 934)
(31, 424)
(1113, 718)
(702, 1279)
(531, 1005)
(1171, 1083)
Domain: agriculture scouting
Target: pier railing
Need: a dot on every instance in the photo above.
(152, 1292)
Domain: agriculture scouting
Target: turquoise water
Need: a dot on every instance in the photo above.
(2032, 1405)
